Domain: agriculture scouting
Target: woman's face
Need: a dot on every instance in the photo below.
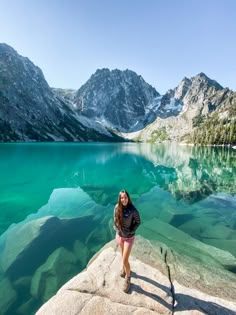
(124, 199)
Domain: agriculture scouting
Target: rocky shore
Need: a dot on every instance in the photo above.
(163, 282)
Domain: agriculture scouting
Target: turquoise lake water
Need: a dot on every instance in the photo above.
(185, 196)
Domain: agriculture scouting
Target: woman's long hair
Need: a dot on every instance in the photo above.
(119, 209)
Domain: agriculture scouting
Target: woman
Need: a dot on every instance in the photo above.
(126, 222)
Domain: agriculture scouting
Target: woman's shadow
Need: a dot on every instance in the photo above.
(181, 302)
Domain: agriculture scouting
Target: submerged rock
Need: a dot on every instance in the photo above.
(26, 308)
(8, 295)
(37, 239)
(185, 244)
(50, 251)
(49, 276)
(81, 253)
(156, 286)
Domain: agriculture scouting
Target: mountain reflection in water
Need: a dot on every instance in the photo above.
(185, 195)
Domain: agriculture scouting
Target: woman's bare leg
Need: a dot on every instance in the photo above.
(122, 250)
(125, 258)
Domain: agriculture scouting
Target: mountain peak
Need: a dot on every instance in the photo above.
(102, 70)
(202, 77)
(119, 97)
(4, 48)
(107, 71)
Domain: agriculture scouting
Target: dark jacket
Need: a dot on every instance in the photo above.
(130, 223)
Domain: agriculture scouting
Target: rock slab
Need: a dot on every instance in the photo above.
(98, 289)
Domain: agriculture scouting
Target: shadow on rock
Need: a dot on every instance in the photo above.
(155, 297)
(182, 302)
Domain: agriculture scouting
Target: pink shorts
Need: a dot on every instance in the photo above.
(129, 241)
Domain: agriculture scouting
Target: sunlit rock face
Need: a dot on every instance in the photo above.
(181, 109)
(121, 99)
(192, 97)
(199, 97)
(68, 94)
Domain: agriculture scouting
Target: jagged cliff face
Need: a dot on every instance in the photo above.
(68, 94)
(191, 97)
(197, 95)
(191, 100)
(117, 98)
(203, 99)
(30, 110)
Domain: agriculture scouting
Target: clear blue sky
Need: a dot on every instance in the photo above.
(161, 40)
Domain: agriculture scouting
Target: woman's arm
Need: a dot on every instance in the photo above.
(115, 227)
(136, 220)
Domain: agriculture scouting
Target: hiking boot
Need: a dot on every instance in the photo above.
(122, 272)
(126, 285)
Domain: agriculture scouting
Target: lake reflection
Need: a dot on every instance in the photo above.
(185, 195)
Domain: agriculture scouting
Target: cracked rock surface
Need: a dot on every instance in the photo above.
(155, 286)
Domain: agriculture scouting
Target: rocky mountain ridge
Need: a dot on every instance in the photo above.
(175, 116)
(113, 105)
(31, 111)
(198, 98)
